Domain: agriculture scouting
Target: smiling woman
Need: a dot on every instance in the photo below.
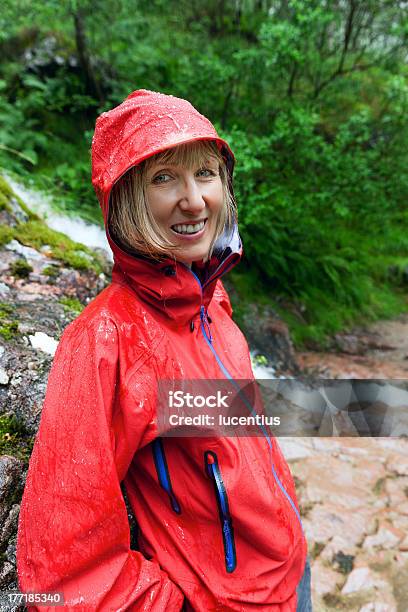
(177, 201)
(219, 524)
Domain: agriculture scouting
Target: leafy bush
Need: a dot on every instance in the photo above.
(314, 108)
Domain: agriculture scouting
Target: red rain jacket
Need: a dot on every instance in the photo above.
(219, 527)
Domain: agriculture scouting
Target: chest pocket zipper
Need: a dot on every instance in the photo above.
(163, 473)
(213, 471)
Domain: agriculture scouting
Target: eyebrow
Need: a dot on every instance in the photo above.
(166, 166)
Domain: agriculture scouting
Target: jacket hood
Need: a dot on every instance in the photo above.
(145, 124)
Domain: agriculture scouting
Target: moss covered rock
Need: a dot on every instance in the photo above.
(28, 229)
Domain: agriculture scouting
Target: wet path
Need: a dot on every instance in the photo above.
(353, 492)
(378, 351)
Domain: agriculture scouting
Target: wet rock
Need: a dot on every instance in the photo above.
(324, 579)
(336, 479)
(386, 537)
(10, 526)
(338, 544)
(44, 343)
(398, 464)
(358, 343)
(7, 574)
(328, 520)
(402, 509)
(7, 218)
(404, 544)
(363, 578)
(395, 488)
(11, 550)
(378, 607)
(10, 479)
(269, 335)
(28, 252)
(17, 211)
(82, 285)
(4, 377)
(11, 487)
(296, 448)
(8, 258)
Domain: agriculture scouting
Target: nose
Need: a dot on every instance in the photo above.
(191, 196)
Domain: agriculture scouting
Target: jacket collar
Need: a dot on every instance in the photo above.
(171, 288)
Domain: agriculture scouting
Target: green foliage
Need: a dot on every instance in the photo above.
(5, 194)
(259, 360)
(8, 326)
(14, 438)
(37, 234)
(312, 96)
(21, 268)
(52, 271)
(8, 330)
(72, 304)
(6, 234)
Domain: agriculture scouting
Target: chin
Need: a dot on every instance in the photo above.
(194, 255)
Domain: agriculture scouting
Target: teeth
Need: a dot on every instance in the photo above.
(189, 229)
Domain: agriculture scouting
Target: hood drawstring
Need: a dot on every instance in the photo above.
(206, 319)
(205, 322)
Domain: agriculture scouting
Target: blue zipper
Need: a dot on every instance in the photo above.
(213, 471)
(163, 473)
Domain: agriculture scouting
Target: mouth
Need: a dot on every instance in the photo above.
(189, 228)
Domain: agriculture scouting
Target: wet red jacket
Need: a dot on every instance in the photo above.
(219, 527)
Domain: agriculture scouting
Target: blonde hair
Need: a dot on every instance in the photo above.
(131, 223)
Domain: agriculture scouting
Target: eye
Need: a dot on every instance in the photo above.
(206, 172)
(161, 178)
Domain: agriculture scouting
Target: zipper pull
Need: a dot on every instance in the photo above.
(205, 326)
(213, 472)
(230, 560)
(163, 473)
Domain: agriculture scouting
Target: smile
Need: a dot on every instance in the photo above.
(191, 228)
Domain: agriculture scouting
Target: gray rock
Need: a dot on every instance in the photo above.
(7, 574)
(268, 335)
(4, 378)
(17, 210)
(10, 478)
(11, 550)
(28, 252)
(9, 526)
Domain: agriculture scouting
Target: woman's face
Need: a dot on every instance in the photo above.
(185, 203)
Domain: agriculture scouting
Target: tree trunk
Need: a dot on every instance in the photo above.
(92, 85)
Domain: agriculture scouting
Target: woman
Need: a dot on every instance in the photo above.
(219, 527)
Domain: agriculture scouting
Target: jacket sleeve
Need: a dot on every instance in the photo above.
(74, 534)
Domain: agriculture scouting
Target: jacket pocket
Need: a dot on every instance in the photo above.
(213, 471)
(163, 473)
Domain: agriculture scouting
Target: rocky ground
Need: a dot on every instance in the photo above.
(353, 494)
(353, 491)
(379, 351)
